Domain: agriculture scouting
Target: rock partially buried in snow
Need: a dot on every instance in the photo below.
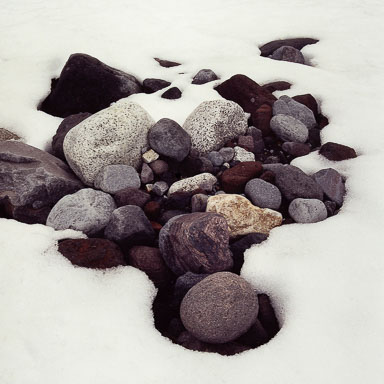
(307, 210)
(287, 53)
(337, 152)
(204, 76)
(87, 210)
(113, 178)
(263, 194)
(114, 135)
(242, 216)
(332, 184)
(298, 43)
(287, 128)
(7, 135)
(220, 308)
(213, 123)
(204, 181)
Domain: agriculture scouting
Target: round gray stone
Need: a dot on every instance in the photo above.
(219, 308)
(227, 153)
(263, 194)
(159, 188)
(287, 128)
(216, 158)
(87, 210)
(307, 210)
(113, 178)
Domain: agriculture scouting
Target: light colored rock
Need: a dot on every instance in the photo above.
(213, 123)
(287, 128)
(242, 216)
(150, 156)
(205, 181)
(307, 210)
(114, 135)
(242, 155)
(113, 178)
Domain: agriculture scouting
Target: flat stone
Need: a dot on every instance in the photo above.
(204, 76)
(181, 245)
(113, 178)
(131, 196)
(167, 63)
(87, 210)
(204, 181)
(243, 155)
(331, 183)
(263, 194)
(233, 180)
(287, 53)
(242, 216)
(114, 135)
(298, 43)
(277, 86)
(307, 210)
(154, 85)
(337, 152)
(219, 308)
(6, 135)
(213, 123)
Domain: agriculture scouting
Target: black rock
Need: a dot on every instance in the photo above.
(298, 43)
(172, 94)
(154, 85)
(337, 152)
(204, 76)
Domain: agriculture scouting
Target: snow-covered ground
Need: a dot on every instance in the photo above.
(66, 325)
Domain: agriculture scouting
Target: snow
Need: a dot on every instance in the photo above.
(64, 324)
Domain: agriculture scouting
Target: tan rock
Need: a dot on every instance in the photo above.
(242, 216)
(7, 135)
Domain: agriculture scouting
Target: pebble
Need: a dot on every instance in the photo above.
(154, 85)
(113, 178)
(263, 194)
(204, 181)
(337, 152)
(215, 158)
(204, 76)
(146, 174)
(159, 167)
(172, 94)
(287, 128)
(131, 196)
(307, 210)
(296, 149)
(227, 154)
(331, 183)
(149, 156)
(159, 188)
(199, 202)
(243, 155)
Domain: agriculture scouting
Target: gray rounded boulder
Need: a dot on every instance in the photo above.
(287, 128)
(220, 308)
(263, 194)
(307, 210)
(113, 178)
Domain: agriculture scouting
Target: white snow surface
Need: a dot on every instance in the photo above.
(67, 325)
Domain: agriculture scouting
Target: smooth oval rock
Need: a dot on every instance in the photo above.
(115, 135)
(87, 210)
(196, 242)
(296, 149)
(307, 210)
(287, 128)
(204, 181)
(220, 308)
(113, 178)
(263, 194)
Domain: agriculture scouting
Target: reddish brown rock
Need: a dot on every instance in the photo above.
(131, 196)
(268, 176)
(246, 142)
(92, 253)
(277, 86)
(309, 101)
(149, 260)
(337, 152)
(261, 119)
(152, 210)
(233, 180)
(156, 226)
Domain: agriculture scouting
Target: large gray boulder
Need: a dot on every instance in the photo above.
(115, 135)
(32, 181)
(287, 128)
(113, 178)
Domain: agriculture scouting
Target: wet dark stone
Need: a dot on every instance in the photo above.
(154, 85)
(298, 43)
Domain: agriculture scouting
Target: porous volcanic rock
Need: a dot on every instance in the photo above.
(307, 210)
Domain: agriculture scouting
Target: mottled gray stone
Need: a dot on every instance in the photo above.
(227, 153)
(213, 123)
(331, 183)
(219, 308)
(204, 76)
(131, 196)
(146, 174)
(113, 178)
(287, 53)
(7, 135)
(216, 158)
(287, 128)
(87, 210)
(263, 194)
(199, 202)
(159, 188)
(114, 135)
(204, 181)
(287, 106)
(307, 210)
(129, 226)
(169, 139)
(242, 155)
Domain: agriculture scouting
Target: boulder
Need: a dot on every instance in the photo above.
(204, 76)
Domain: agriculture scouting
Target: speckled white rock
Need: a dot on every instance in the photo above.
(213, 123)
(113, 178)
(114, 135)
(242, 155)
(307, 210)
(287, 128)
(205, 181)
(242, 216)
(150, 156)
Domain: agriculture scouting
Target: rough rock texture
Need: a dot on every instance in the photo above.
(337, 152)
(32, 181)
(113, 178)
(233, 180)
(243, 217)
(167, 63)
(309, 101)
(204, 181)
(220, 308)
(298, 43)
(87, 210)
(287, 106)
(65, 126)
(146, 174)
(293, 182)
(307, 210)
(129, 226)
(261, 118)
(7, 135)
(296, 149)
(196, 242)
(167, 138)
(172, 93)
(287, 128)
(204, 76)
(331, 183)
(213, 123)
(87, 85)
(154, 85)
(114, 135)
(149, 260)
(131, 196)
(184, 283)
(287, 53)
(242, 155)
(263, 194)
(92, 253)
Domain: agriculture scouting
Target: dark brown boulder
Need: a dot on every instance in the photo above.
(261, 119)
(298, 43)
(337, 152)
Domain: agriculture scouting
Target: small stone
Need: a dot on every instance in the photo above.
(204, 181)
(196, 242)
(169, 139)
(296, 149)
(261, 119)
(92, 253)
(150, 156)
(337, 152)
(247, 143)
(184, 283)
(166, 63)
(242, 155)
(172, 94)
(268, 176)
(220, 308)
(129, 226)
(314, 137)
(159, 188)
(152, 210)
(227, 154)
(178, 200)
(113, 178)
(267, 315)
(146, 174)
(215, 158)
(199, 202)
(149, 187)
(322, 121)
(307, 210)
(87, 210)
(6, 135)
(159, 167)
(331, 183)
(243, 217)
(298, 43)
(309, 101)
(263, 194)
(331, 207)
(204, 76)
(131, 196)
(287, 128)
(287, 53)
(154, 85)
(277, 86)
